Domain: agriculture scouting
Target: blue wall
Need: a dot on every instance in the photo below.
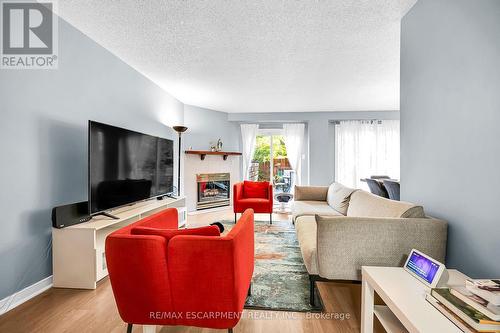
(207, 126)
(450, 118)
(43, 142)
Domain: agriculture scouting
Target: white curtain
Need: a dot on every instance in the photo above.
(294, 139)
(248, 134)
(365, 148)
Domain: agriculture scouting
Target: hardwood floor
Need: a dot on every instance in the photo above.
(69, 310)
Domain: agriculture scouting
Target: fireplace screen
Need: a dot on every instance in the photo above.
(214, 190)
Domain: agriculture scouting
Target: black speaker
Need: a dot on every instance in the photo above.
(64, 216)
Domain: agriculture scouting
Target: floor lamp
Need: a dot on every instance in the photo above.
(180, 130)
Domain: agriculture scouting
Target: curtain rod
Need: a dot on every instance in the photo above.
(337, 122)
(274, 124)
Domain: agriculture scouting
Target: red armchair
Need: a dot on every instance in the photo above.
(194, 277)
(255, 195)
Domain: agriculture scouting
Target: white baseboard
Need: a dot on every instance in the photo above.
(24, 295)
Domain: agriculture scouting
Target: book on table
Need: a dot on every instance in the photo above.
(486, 289)
(491, 285)
(462, 325)
(468, 314)
(478, 303)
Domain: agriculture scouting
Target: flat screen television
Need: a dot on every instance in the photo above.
(126, 167)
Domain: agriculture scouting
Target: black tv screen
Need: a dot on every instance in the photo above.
(127, 166)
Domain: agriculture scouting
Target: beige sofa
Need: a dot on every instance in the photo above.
(341, 229)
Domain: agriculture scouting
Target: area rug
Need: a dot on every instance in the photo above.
(280, 280)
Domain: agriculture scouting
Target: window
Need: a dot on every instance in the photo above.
(277, 169)
(364, 148)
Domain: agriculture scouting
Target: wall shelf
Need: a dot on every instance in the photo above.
(204, 153)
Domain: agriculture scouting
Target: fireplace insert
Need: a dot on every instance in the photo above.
(214, 190)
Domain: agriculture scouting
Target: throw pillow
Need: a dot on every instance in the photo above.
(338, 197)
(255, 189)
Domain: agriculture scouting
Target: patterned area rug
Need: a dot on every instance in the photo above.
(280, 280)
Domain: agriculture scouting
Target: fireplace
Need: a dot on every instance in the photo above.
(214, 190)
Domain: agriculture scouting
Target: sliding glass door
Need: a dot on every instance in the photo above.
(260, 169)
(270, 161)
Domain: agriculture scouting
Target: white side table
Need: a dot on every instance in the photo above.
(277, 197)
(406, 310)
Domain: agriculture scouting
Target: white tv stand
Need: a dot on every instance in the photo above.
(78, 257)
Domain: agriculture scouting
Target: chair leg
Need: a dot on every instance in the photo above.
(235, 218)
(129, 328)
(312, 285)
(271, 218)
(229, 330)
(250, 290)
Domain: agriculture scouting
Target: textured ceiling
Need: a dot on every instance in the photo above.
(256, 55)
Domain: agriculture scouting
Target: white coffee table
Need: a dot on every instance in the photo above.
(406, 310)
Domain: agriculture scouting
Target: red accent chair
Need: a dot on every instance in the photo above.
(255, 195)
(161, 275)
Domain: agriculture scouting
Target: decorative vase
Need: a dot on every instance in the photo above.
(219, 145)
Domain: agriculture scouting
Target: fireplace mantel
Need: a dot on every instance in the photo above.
(204, 153)
(193, 166)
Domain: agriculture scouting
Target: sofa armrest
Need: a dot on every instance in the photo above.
(344, 244)
(238, 191)
(237, 196)
(311, 193)
(270, 196)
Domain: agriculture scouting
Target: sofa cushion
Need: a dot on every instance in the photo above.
(364, 204)
(258, 205)
(338, 197)
(255, 189)
(310, 193)
(311, 208)
(305, 226)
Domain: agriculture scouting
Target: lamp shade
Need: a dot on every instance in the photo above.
(180, 129)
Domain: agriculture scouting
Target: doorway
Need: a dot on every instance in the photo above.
(270, 162)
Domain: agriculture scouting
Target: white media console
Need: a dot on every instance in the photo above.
(78, 256)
